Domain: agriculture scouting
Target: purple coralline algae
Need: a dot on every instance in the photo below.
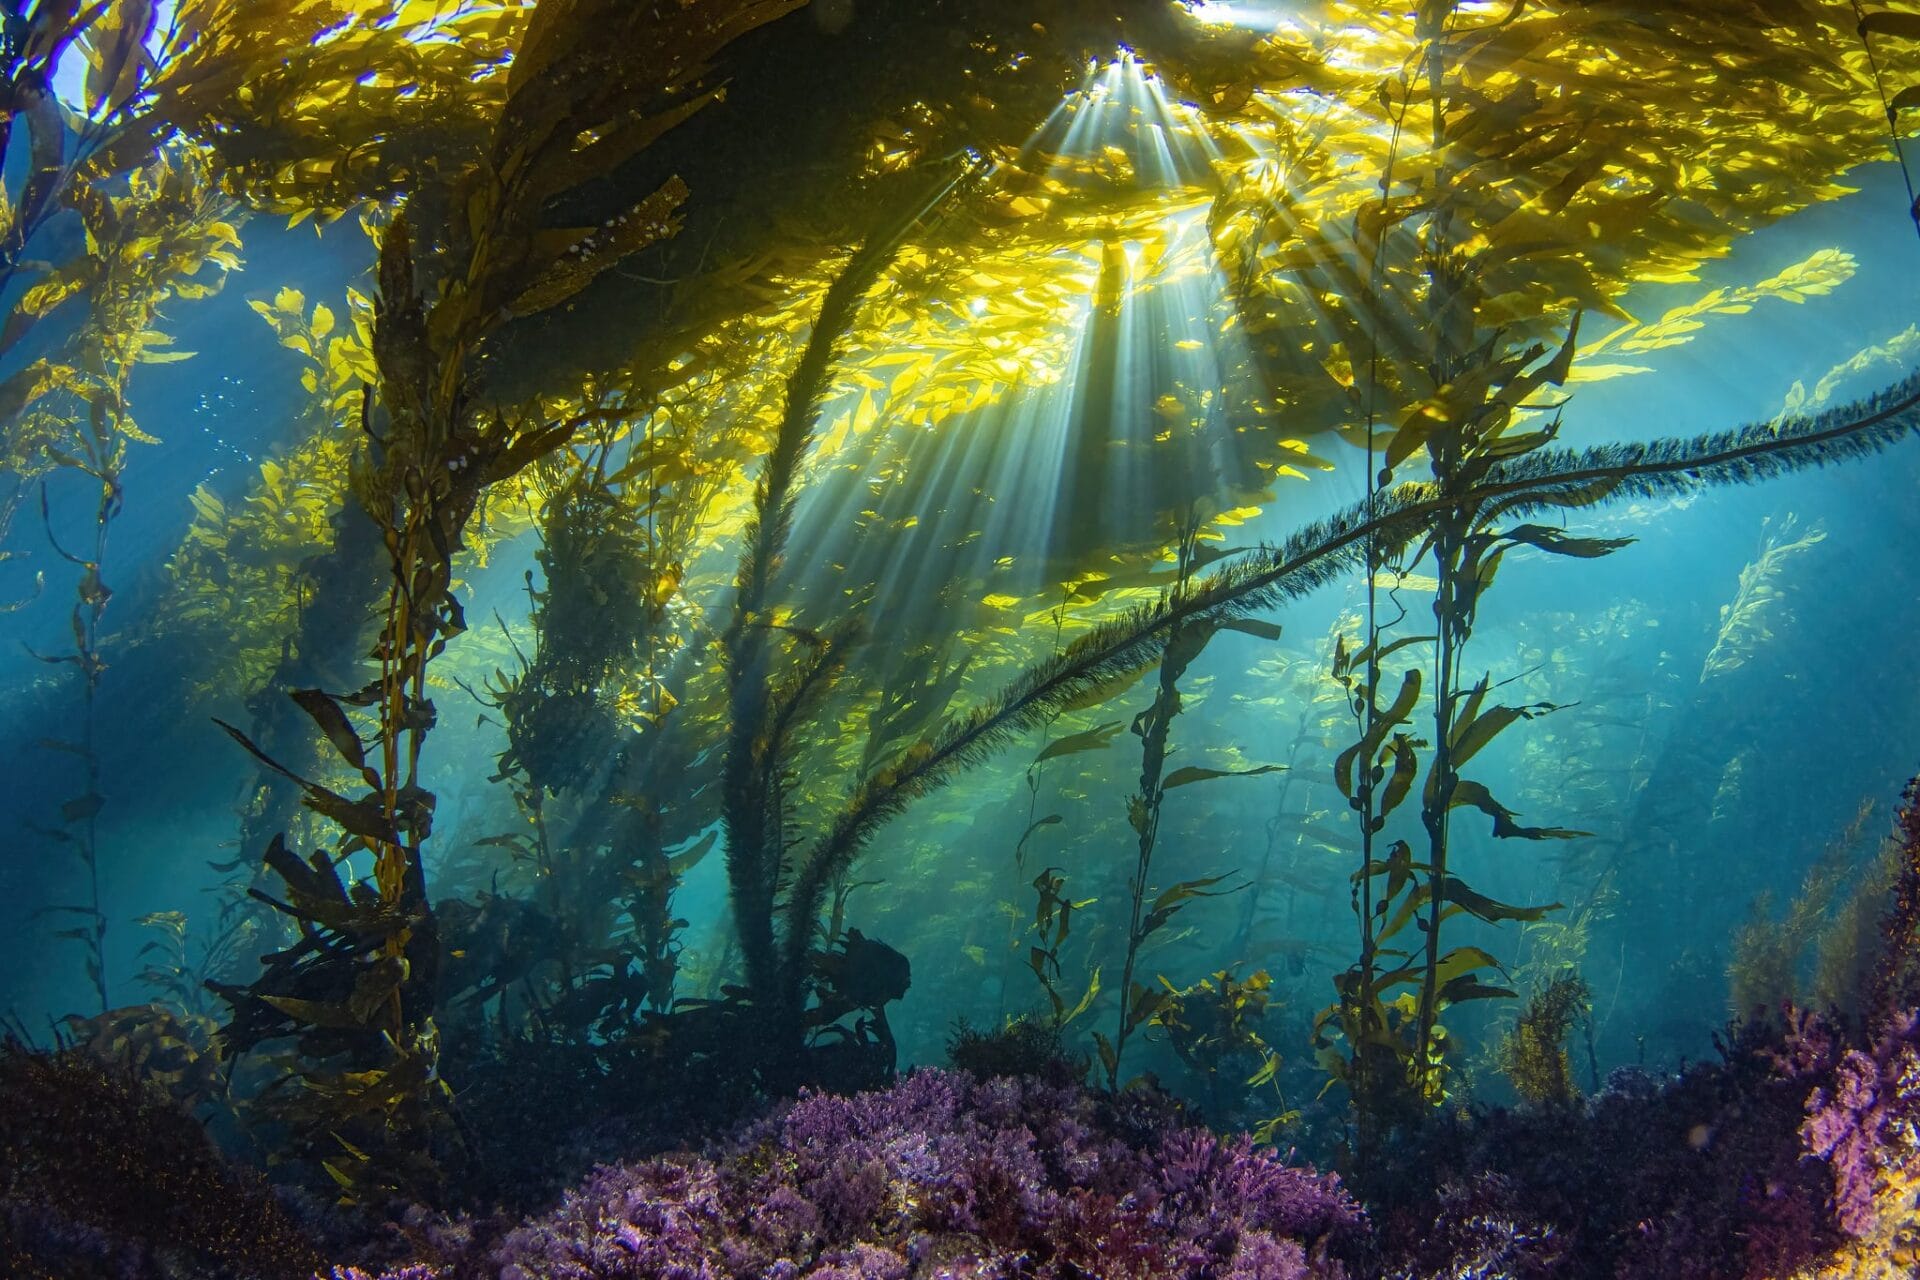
(940, 1177)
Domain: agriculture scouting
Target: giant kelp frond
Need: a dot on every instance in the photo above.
(1111, 652)
(1321, 552)
(1748, 621)
(318, 105)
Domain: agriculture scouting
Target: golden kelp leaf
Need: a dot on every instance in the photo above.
(1390, 580)
(52, 291)
(1478, 904)
(207, 505)
(1474, 732)
(115, 47)
(1093, 739)
(646, 223)
(1196, 773)
(334, 724)
(1585, 372)
(1470, 794)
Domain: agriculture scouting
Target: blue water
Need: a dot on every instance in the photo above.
(1825, 713)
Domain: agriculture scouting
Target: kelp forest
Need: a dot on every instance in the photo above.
(722, 639)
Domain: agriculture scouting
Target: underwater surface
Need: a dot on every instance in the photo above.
(824, 638)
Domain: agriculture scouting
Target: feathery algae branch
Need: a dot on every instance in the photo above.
(1318, 554)
(754, 824)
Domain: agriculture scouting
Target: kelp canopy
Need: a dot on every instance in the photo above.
(861, 386)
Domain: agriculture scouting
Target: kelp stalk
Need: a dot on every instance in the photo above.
(1140, 1004)
(105, 453)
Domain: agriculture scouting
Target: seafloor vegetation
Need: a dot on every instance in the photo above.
(718, 436)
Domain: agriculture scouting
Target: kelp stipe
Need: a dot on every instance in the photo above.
(1138, 1003)
(74, 411)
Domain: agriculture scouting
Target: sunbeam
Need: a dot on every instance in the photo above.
(1058, 402)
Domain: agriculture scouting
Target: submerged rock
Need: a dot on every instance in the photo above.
(941, 1175)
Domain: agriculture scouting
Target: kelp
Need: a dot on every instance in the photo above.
(1774, 957)
(1318, 554)
(1052, 925)
(908, 343)
(420, 481)
(1146, 916)
(251, 570)
(600, 611)
(67, 413)
(1556, 149)
(1747, 622)
(1533, 1053)
(760, 701)
(178, 964)
(359, 989)
(1298, 832)
(1878, 27)
(1214, 1026)
(278, 588)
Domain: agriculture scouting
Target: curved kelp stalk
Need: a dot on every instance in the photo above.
(756, 844)
(1318, 554)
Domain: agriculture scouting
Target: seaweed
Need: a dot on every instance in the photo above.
(485, 180)
(1139, 1003)
(1214, 1026)
(1772, 957)
(1533, 1054)
(1023, 1046)
(177, 970)
(1265, 577)
(359, 988)
(100, 1170)
(567, 709)
(145, 245)
(1052, 925)
(762, 703)
(1747, 621)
